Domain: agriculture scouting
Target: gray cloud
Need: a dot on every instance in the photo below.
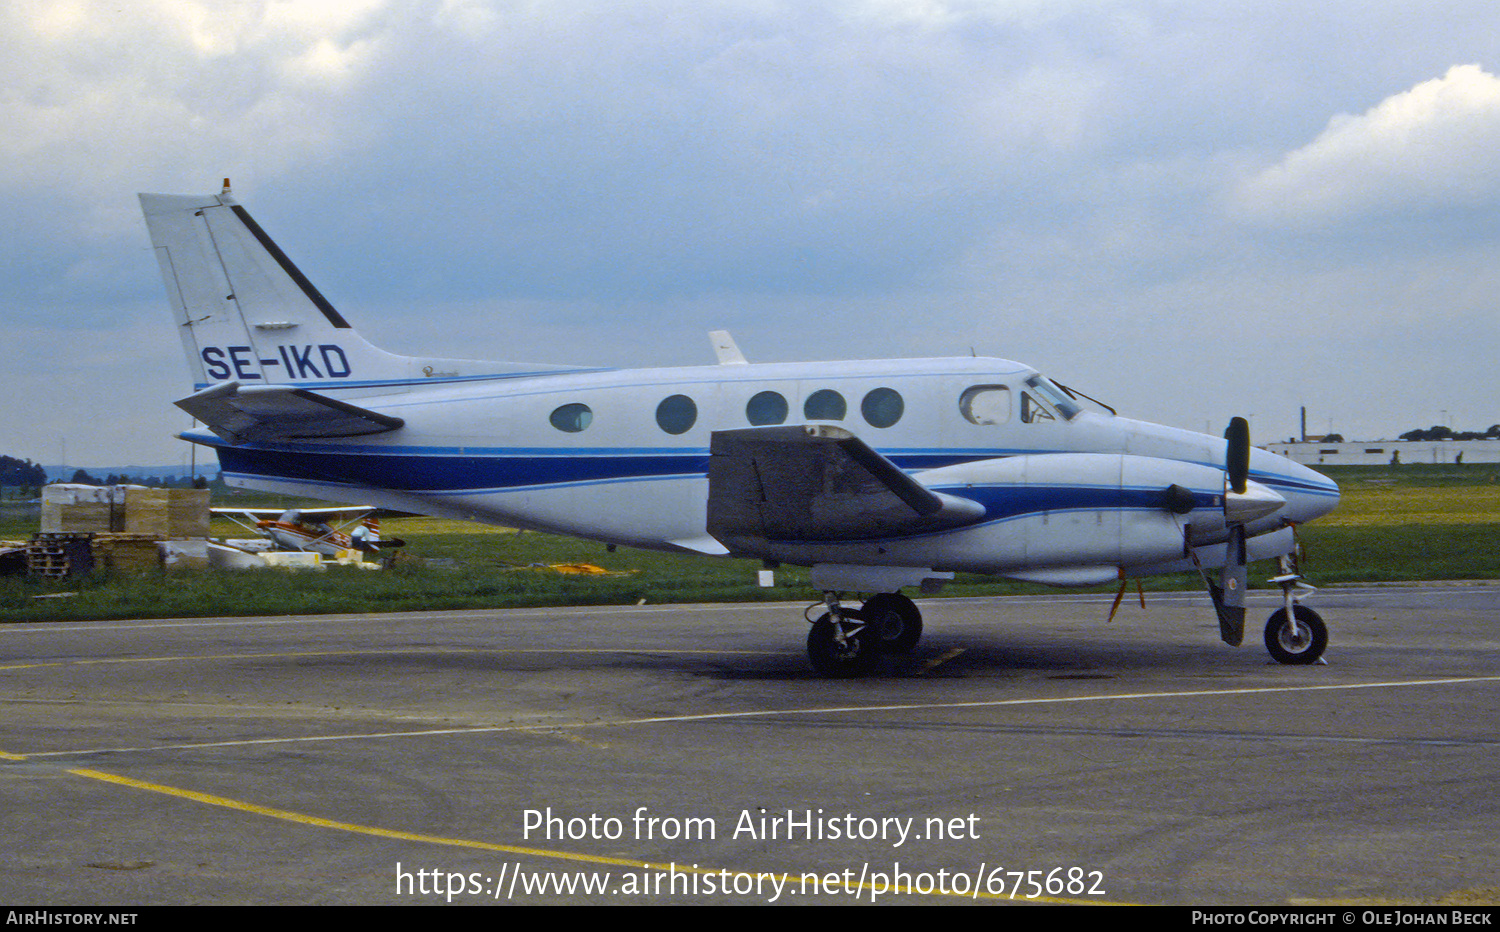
(1158, 200)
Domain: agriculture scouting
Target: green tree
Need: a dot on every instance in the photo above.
(22, 474)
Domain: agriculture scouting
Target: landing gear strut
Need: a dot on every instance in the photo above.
(847, 642)
(841, 644)
(1295, 634)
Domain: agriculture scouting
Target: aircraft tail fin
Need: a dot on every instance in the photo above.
(247, 314)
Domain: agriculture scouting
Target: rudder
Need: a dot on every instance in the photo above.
(247, 314)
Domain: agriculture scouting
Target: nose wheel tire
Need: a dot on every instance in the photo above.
(1306, 646)
(842, 649)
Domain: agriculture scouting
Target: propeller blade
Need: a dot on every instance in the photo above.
(1244, 501)
(1229, 594)
(1237, 453)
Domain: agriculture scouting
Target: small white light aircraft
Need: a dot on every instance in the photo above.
(309, 530)
(879, 475)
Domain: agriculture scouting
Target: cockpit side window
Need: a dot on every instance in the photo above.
(1053, 396)
(1033, 410)
(985, 404)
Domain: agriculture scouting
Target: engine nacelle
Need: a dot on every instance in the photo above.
(1081, 518)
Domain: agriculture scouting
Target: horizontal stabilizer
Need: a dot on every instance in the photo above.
(817, 483)
(243, 414)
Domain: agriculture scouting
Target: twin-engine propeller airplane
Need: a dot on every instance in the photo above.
(879, 475)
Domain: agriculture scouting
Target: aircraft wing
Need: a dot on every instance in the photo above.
(240, 413)
(271, 514)
(817, 483)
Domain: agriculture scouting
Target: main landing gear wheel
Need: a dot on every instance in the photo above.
(1306, 646)
(897, 620)
(846, 648)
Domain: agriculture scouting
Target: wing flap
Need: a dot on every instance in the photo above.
(817, 483)
(242, 414)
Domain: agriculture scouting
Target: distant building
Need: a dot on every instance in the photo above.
(1381, 452)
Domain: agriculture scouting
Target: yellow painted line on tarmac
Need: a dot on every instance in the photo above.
(435, 651)
(843, 888)
(936, 662)
(7, 756)
(318, 821)
(172, 659)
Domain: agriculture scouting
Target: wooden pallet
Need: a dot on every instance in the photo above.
(54, 555)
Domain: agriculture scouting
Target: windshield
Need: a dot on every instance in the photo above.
(1054, 396)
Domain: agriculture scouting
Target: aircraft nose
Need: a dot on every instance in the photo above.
(1313, 494)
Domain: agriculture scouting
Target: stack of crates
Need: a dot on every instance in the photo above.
(80, 509)
(123, 523)
(127, 553)
(187, 514)
(166, 514)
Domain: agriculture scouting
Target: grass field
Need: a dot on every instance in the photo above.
(1394, 523)
(1408, 523)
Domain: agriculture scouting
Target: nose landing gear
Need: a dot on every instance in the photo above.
(1295, 634)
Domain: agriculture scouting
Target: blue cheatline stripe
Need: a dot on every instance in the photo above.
(910, 458)
(1276, 480)
(457, 475)
(453, 472)
(1005, 502)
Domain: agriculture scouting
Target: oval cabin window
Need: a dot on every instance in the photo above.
(985, 404)
(572, 418)
(882, 407)
(766, 408)
(825, 405)
(676, 414)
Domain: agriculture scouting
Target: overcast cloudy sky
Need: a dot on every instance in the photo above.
(1188, 209)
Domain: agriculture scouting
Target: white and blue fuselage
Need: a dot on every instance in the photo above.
(492, 451)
